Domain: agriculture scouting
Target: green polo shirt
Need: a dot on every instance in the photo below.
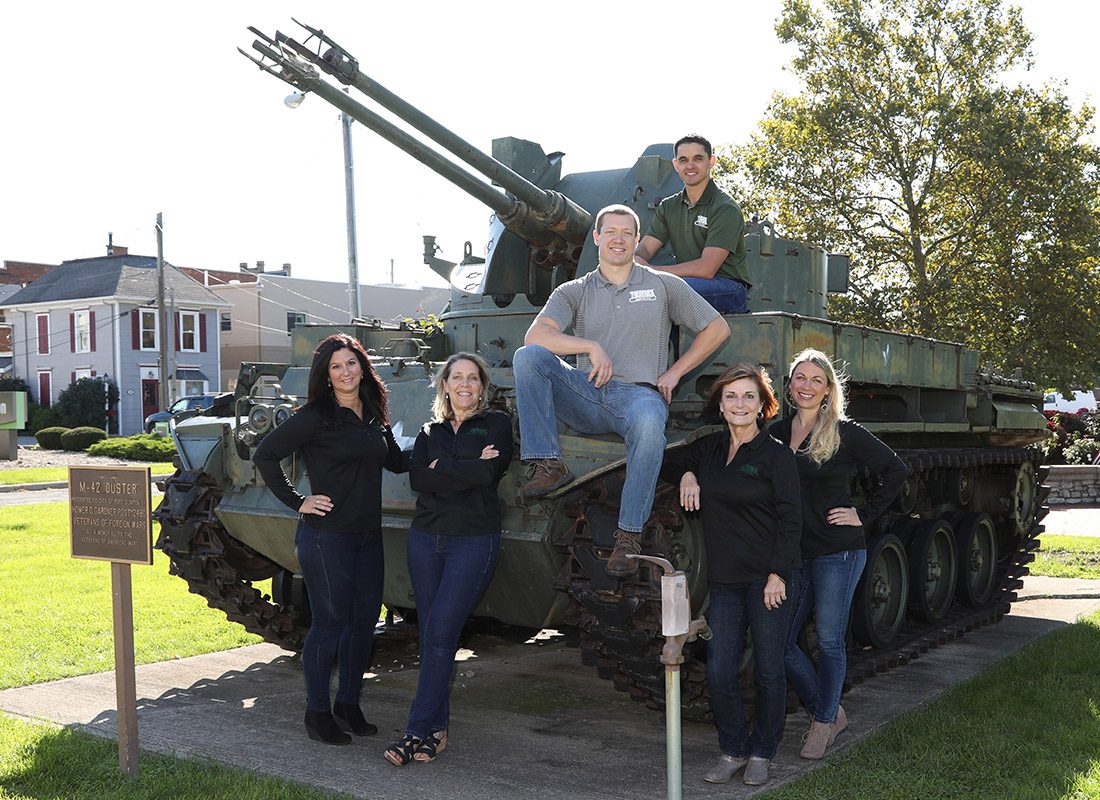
(715, 221)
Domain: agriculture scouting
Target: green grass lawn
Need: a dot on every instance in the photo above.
(1068, 557)
(1027, 729)
(10, 477)
(40, 762)
(55, 611)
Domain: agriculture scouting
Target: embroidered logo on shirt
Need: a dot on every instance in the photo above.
(750, 470)
(479, 432)
(701, 222)
(642, 296)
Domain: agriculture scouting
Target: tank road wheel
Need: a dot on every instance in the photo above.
(976, 541)
(932, 569)
(906, 500)
(1025, 498)
(882, 593)
(959, 484)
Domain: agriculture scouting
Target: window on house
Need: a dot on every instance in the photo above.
(43, 322)
(227, 321)
(150, 334)
(190, 388)
(189, 331)
(293, 319)
(81, 373)
(82, 332)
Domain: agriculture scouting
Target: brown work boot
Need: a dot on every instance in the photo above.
(546, 475)
(625, 542)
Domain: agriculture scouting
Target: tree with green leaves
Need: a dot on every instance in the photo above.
(969, 205)
(87, 402)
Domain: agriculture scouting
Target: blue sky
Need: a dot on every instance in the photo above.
(113, 113)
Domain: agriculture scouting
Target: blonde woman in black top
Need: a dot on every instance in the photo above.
(342, 435)
(454, 540)
(830, 449)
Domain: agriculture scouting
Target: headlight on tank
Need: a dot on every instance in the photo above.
(260, 419)
(282, 413)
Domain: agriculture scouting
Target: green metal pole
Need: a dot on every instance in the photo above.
(673, 754)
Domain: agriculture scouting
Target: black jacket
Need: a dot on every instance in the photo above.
(830, 486)
(750, 507)
(344, 459)
(458, 496)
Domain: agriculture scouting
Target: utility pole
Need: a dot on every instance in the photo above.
(172, 396)
(349, 204)
(162, 317)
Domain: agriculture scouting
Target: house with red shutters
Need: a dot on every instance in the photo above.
(98, 317)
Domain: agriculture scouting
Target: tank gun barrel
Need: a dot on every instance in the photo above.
(538, 215)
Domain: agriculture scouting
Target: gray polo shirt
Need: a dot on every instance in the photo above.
(631, 321)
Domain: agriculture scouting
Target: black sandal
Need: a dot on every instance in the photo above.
(401, 753)
(431, 747)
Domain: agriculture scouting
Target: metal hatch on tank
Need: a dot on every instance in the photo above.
(945, 558)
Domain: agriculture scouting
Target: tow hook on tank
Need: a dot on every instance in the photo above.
(678, 628)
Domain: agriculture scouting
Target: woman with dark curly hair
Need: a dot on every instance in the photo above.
(344, 439)
(745, 484)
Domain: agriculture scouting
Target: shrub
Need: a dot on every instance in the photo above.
(12, 384)
(39, 417)
(140, 447)
(50, 438)
(1073, 423)
(82, 438)
(86, 402)
(1082, 451)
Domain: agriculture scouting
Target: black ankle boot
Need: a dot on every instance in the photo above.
(350, 718)
(321, 727)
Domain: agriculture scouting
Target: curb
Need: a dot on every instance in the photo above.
(33, 487)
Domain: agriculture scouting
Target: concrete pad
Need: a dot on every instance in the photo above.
(525, 718)
(1073, 520)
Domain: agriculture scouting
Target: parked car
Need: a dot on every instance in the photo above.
(1079, 401)
(193, 403)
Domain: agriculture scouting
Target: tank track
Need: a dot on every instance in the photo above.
(217, 567)
(620, 623)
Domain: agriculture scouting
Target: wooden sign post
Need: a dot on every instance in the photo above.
(110, 520)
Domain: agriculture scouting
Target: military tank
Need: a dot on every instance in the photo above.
(946, 558)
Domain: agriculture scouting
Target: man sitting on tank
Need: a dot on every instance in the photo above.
(706, 230)
(620, 314)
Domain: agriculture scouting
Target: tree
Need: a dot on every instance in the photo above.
(87, 402)
(969, 206)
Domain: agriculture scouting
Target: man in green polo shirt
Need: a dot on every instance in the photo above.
(706, 230)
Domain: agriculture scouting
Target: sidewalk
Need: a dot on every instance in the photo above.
(526, 717)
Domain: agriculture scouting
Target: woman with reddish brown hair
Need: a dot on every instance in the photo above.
(745, 485)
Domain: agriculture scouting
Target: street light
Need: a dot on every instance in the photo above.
(293, 101)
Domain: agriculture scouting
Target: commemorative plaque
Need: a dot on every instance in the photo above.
(110, 514)
(110, 520)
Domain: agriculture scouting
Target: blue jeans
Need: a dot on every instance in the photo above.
(827, 586)
(548, 389)
(449, 574)
(343, 573)
(726, 295)
(735, 608)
